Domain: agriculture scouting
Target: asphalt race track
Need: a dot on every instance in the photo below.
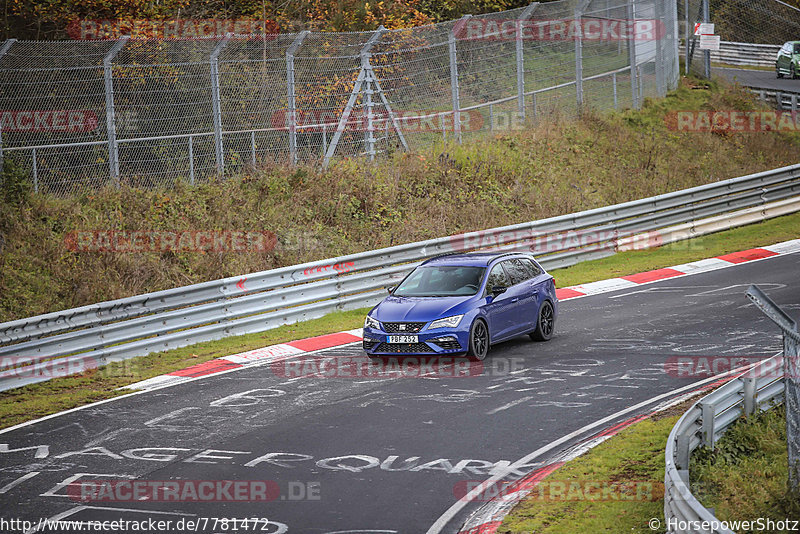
(764, 79)
(385, 455)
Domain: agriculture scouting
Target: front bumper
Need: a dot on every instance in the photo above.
(438, 341)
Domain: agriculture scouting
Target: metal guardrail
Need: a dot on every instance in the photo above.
(97, 334)
(782, 100)
(702, 425)
(759, 388)
(743, 54)
(746, 54)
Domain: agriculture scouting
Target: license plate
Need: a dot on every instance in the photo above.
(402, 339)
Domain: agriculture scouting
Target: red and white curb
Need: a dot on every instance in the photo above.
(293, 348)
(695, 267)
(250, 358)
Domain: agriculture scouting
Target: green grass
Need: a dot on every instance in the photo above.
(37, 400)
(743, 479)
(635, 456)
(745, 476)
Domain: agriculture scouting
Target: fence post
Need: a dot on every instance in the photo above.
(660, 39)
(631, 8)
(6, 45)
(366, 67)
(614, 79)
(579, 60)
(292, 103)
(451, 46)
(191, 160)
(35, 169)
(687, 37)
(706, 53)
(216, 103)
(791, 376)
(521, 59)
(111, 120)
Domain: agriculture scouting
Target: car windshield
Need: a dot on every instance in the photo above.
(441, 281)
(797, 48)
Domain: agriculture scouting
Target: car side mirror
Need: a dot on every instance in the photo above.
(390, 289)
(498, 290)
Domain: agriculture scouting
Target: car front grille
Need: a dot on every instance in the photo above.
(402, 328)
(404, 348)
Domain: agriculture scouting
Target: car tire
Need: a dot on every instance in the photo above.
(545, 323)
(478, 340)
(792, 73)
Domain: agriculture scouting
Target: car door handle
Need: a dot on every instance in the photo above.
(515, 299)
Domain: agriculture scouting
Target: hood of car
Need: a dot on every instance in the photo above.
(418, 308)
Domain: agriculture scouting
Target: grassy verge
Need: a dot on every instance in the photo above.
(745, 476)
(37, 400)
(633, 458)
(743, 479)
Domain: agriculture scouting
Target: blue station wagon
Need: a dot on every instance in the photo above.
(463, 303)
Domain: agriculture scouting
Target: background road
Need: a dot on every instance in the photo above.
(384, 455)
(764, 79)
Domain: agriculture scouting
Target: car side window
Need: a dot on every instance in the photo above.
(797, 48)
(516, 271)
(497, 277)
(533, 269)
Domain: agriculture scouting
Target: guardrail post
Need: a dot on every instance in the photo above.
(111, 120)
(292, 103)
(791, 376)
(631, 10)
(454, 90)
(521, 59)
(779, 100)
(707, 432)
(794, 102)
(216, 103)
(749, 395)
(6, 46)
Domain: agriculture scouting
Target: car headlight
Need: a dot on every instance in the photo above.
(369, 322)
(447, 322)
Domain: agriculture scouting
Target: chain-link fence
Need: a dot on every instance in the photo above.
(81, 115)
(762, 22)
(791, 373)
